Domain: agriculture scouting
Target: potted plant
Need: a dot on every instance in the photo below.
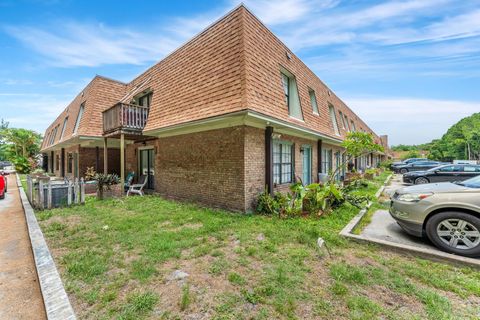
(105, 182)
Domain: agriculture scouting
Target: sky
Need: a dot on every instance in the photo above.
(409, 68)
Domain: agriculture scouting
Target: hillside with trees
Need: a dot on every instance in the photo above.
(461, 141)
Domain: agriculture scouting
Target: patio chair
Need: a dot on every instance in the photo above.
(128, 181)
(138, 188)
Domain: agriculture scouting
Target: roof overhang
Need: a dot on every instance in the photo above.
(244, 117)
(86, 142)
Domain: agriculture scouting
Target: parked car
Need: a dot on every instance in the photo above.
(444, 173)
(4, 164)
(407, 161)
(417, 166)
(3, 185)
(447, 213)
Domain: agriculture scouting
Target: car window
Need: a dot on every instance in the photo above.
(451, 169)
(446, 169)
(471, 183)
(469, 168)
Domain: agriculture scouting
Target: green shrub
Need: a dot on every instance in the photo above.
(314, 199)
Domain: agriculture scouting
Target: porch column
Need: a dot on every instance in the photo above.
(97, 159)
(122, 159)
(319, 157)
(62, 162)
(105, 156)
(269, 159)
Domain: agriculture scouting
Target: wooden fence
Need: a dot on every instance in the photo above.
(44, 193)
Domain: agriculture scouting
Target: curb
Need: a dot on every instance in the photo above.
(423, 252)
(55, 299)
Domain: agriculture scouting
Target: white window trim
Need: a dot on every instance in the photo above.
(79, 118)
(293, 94)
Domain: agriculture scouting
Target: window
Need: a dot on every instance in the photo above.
(345, 118)
(144, 101)
(63, 128)
(471, 169)
(282, 162)
(327, 160)
(342, 119)
(53, 136)
(313, 101)
(79, 117)
(57, 162)
(450, 168)
(291, 95)
(46, 139)
(334, 119)
(353, 126)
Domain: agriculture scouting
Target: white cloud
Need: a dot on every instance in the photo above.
(82, 44)
(411, 120)
(286, 11)
(16, 82)
(32, 111)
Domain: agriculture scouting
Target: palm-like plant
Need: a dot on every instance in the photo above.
(104, 182)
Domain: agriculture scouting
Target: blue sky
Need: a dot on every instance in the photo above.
(409, 68)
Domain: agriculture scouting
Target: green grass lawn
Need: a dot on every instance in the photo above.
(116, 258)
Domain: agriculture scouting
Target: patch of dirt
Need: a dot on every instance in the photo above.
(70, 221)
(403, 304)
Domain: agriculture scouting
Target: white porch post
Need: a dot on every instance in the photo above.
(122, 159)
(105, 156)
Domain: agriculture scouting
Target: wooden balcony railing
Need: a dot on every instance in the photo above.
(125, 117)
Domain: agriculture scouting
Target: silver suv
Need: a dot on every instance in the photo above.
(447, 213)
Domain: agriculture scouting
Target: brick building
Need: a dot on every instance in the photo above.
(229, 113)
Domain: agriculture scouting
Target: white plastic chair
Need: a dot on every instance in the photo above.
(138, 187)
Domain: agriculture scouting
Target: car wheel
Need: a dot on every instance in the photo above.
(402, 171)
(455, 232)
(421, 180)
(2, 196)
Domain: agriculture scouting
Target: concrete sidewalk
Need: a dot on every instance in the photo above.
(20, 296)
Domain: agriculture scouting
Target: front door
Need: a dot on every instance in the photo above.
(147, 166)
(307, 165)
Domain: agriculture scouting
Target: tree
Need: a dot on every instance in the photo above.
(356, 144)
(20, 146)
(3, 126)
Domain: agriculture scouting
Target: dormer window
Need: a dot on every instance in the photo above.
(313, 100)
(144, 101)
(333, 117)
(79, 117)
(342, 119)
(63, 128)
(345, 119)
(291, 94)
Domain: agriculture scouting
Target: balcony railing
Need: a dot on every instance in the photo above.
(124, 117)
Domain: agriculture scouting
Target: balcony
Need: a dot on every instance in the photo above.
(127, 119)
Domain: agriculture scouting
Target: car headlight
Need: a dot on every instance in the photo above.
(413, 197)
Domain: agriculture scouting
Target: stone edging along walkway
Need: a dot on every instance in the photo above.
(423, 252)
(57, 305)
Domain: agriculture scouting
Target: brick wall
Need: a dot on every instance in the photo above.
(205, 167)
(87, 158)
(255, 162)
